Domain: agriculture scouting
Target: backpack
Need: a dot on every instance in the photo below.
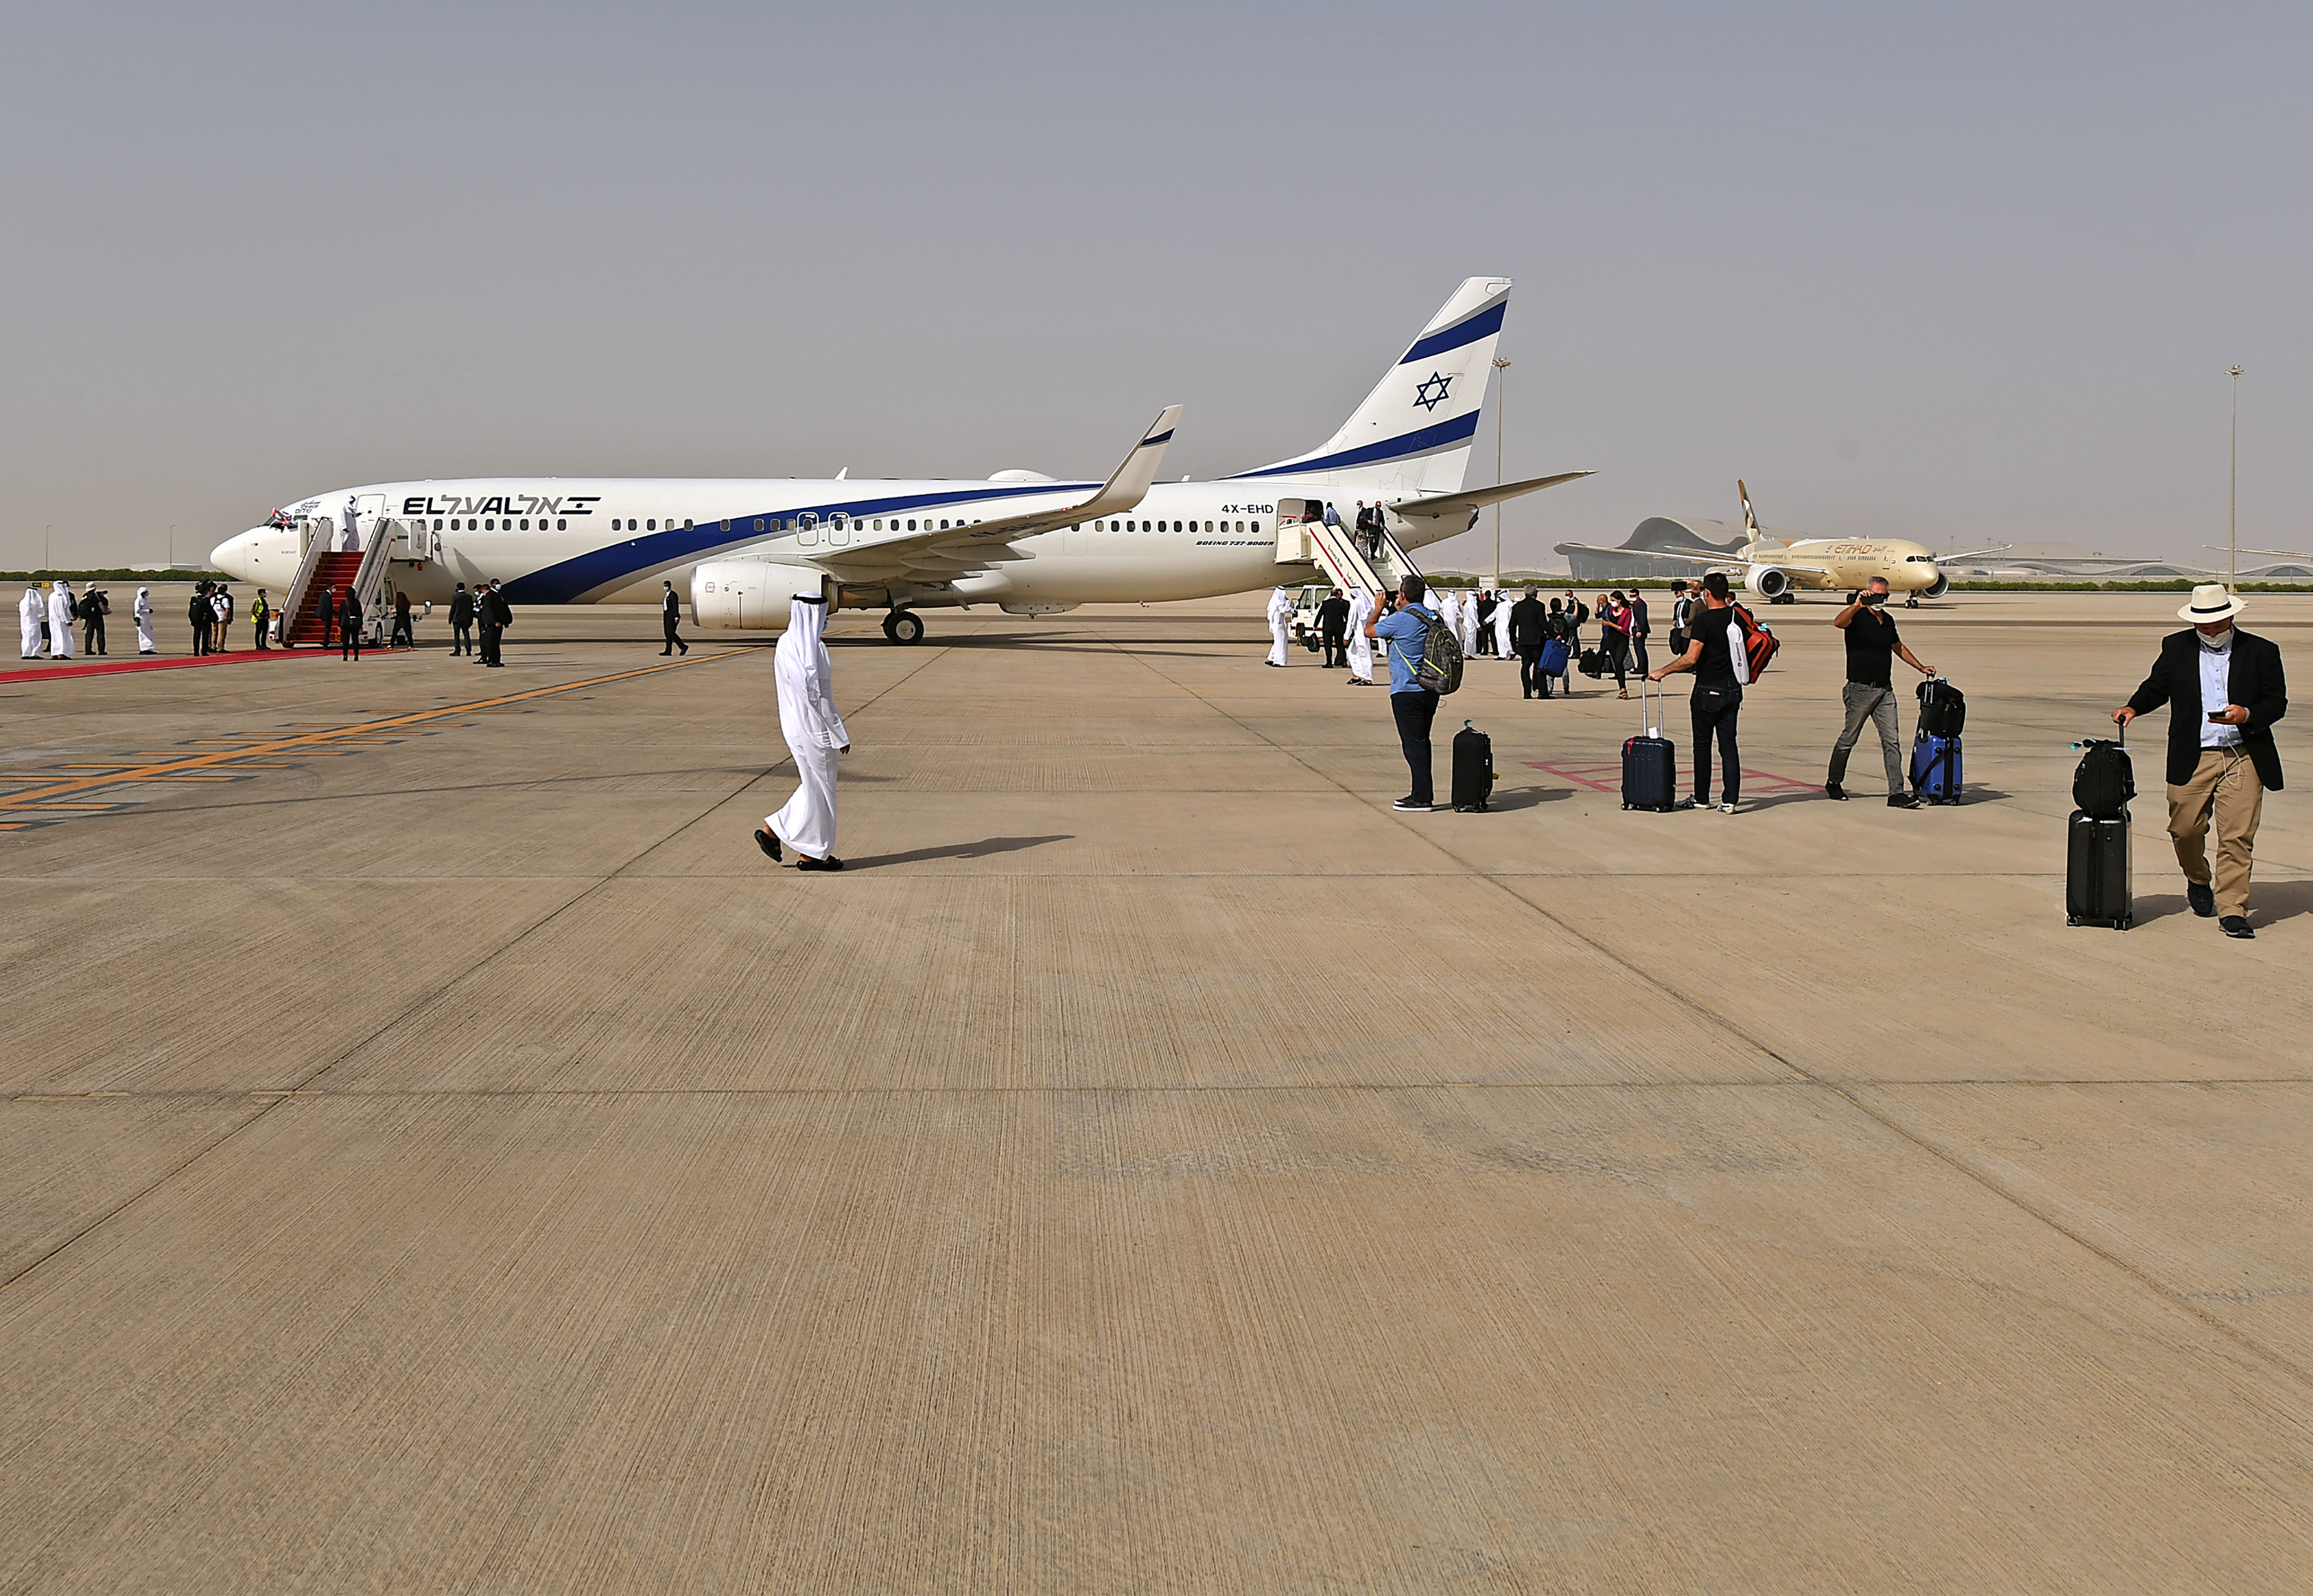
(1758, 642)
(2104, 781)
(1439, 668)
(1943, 709)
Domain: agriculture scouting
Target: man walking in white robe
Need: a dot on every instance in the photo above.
(31, 610)
(61, 621)
(815, 736)
(1466, 623)
(351, 517)
(1280, 626)
(1361, 610)
(1502, 627)
(145, 621)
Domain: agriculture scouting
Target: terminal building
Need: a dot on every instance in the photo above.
(2025, 563)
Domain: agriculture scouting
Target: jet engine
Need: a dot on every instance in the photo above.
(1768, 582)
(747, 594)
(1938, 587)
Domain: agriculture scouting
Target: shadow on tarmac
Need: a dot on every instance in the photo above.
(982, 849)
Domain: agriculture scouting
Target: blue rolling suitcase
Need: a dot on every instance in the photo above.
(1936, 768)
(1553, 657)
(1649, 764)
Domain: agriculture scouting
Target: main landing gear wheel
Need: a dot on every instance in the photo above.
(1912, 602)
(904, 626)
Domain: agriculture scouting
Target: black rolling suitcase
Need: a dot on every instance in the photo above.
(2098, 889)
(1473, 769)
(1649, 763)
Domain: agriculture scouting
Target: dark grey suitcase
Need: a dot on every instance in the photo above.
(1473, 769)
(1649, 763)
(2097, 887)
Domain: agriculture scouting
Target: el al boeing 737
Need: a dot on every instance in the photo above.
(1024, 541)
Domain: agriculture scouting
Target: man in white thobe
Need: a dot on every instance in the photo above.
(61, 621)
(1361, 610)
(31, 610)
(815, 736)
(1466, 623)
(351, 518)
(1280, 626)
(145, 621)
(1502, 627)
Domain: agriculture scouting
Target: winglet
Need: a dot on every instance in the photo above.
(1129, 482)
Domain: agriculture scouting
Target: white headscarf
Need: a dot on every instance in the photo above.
(31, 607)
(1281, 604)
(807, 677)
(143, 601)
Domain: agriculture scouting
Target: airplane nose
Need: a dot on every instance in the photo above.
(232, 554)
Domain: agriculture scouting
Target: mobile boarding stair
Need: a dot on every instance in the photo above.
(1336, 551)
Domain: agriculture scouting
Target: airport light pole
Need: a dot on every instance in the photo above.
(1501, 403)
(2232, 503)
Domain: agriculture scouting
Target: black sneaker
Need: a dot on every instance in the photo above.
(1902, 800)
(1690, 803)
(1412, 808)
(1832, 790)
(2201, 896)
(2236, 925)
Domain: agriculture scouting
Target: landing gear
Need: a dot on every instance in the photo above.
(1785, 597)
(904, 626)
(1912, 602)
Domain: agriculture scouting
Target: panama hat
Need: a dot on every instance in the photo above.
(2210, 602)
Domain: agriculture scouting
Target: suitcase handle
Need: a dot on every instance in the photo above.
(1662, 702)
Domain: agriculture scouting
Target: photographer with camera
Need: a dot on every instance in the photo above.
(1872, 646)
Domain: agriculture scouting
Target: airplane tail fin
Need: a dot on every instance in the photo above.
(1414, 433)
(1750, 520)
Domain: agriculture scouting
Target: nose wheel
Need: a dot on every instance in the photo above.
(1912, 602)
(904, 626)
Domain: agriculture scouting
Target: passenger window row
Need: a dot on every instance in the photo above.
(1160, 527)
(490, 524)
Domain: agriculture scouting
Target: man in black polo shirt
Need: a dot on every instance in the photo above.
(1872, 645)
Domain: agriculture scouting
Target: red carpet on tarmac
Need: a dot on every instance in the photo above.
(146, 662)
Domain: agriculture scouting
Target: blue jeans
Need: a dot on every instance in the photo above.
(1414, 711)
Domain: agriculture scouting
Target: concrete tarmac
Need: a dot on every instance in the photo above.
(439, 1151)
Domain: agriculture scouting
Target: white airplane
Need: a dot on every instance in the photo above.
(1027, 543)
(1775, 570)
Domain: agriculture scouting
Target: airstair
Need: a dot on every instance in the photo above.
(1338, 551)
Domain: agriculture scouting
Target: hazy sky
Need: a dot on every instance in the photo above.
(1963, 272)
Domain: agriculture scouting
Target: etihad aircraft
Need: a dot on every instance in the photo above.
(1024, 541)
(1775, 570)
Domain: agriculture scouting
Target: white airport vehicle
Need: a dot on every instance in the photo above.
(1775, 571)
(1028, 543)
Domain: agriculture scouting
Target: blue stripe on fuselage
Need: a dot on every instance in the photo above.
(1442, 436)
(1484, 324)
(633, 558)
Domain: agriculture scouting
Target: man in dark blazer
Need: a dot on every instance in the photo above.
(2224, 689)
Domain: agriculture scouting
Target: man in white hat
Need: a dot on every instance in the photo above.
(2224, 689)
(815, 736)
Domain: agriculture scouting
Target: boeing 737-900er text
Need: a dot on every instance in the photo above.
(1021, 540)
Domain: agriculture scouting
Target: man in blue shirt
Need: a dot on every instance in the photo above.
(1405, 631)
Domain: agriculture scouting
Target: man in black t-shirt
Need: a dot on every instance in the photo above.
(1872, 646)
(1717, 699)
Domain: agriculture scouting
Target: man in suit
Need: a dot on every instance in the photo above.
(2224, 689)
(1529, 630)
(670, 611)
(496, 616)
(1333, 629)
(349, 626)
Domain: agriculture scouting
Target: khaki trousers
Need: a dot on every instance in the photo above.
(2224, 786)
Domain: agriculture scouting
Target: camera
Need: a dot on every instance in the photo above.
(1873, 599)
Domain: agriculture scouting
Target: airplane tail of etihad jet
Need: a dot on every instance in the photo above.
(1413, 434)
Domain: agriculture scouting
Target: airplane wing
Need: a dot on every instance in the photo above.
(958, 551)
(1972, 553)
(2271, 553)
(1456, 504)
